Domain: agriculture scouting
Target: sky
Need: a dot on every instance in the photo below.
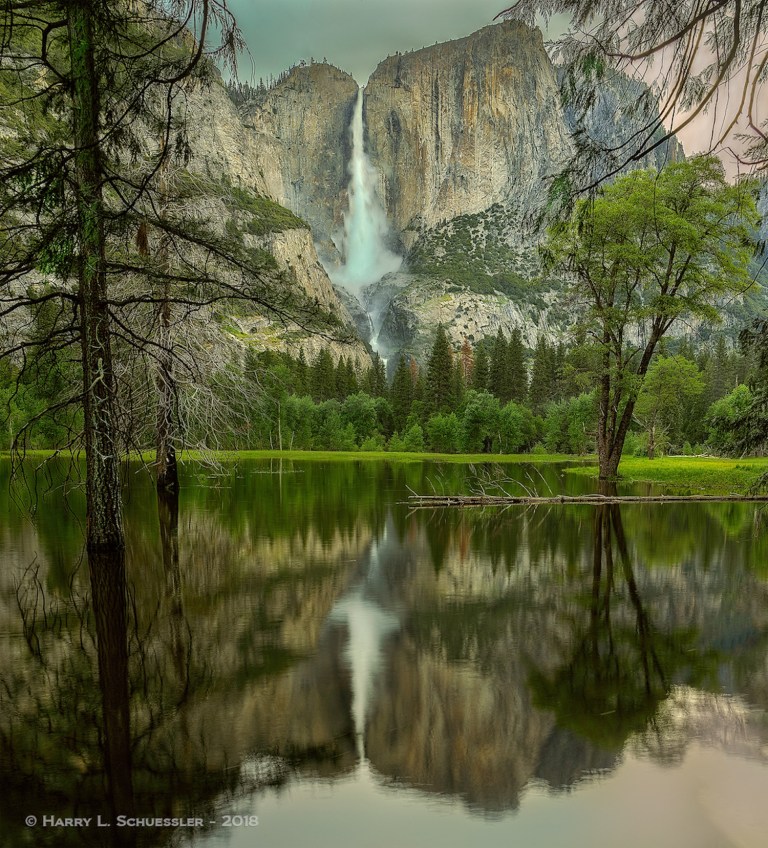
(354, 35)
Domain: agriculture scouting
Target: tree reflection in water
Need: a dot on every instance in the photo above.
(530, 644)
(98, 728)
(620, 666)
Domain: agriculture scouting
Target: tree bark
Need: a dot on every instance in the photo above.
(103, 499)
(167, 470)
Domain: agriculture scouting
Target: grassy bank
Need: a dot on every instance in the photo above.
(338, 456)
(699, 474)
(326, 456)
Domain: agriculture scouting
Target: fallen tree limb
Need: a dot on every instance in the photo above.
(503, 500)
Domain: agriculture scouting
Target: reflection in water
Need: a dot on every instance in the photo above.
(108, 598)
(306, 630)
(368, 625)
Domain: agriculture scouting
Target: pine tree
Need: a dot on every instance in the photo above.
(499, 381)
(439, 386)
(459, 386)
(375, 380)
(301, 384)
(323, 376)
(481, 370)
(350, 382)
(466, 358)
(402, 393)
(543, 376)
(516, 367)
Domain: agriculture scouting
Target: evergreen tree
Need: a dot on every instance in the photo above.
(401, 394)
(466, 359)
(323, 376)
(439, 387)
(301, 384)
(481, 370)
(459, 385)
(499, 381)
(518, 376)
(375, 380)
(543, 376)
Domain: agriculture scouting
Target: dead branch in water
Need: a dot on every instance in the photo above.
(427, 501)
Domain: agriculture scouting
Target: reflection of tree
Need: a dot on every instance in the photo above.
(108, 594)
(621, 663)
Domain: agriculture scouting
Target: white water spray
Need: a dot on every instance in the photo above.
(366, 256)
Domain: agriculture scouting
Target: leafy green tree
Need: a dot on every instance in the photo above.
(360, 411)
(329, 430)
(412, 440)
(670, 384)
(385, 417)
(444, 433)
(731, 424)
(570, 425)
(518, 430)
(651, 249)
(480, 422)
(297, 415)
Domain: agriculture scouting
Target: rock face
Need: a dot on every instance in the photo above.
(242, 160)
(460, 126)
(605, 123)
(300, 130)
(419, 304)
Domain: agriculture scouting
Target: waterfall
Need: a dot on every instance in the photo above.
(363, 244)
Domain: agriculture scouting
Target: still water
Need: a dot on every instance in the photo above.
(312, 662)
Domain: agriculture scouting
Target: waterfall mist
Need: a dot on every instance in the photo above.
(363, 245)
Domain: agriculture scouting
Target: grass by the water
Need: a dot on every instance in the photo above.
(713, 475)
(325, 456)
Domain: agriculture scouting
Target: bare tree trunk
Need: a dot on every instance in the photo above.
(652, 441)
(103, 499)
(603, 435)
(167, 470)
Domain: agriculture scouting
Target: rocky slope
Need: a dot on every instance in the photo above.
(236, 171)
(300, 131)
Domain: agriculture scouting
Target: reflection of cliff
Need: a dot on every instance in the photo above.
(306, 609)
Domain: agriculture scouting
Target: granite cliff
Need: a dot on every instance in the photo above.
(463, 136)
(461, 126)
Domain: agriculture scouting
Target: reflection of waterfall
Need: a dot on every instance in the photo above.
(366, 256)
(368, 625)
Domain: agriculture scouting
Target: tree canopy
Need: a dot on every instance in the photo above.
(651, 248)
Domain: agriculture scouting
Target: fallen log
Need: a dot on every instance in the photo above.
(505, 500)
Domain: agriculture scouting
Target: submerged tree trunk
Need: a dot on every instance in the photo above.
(103, 500)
